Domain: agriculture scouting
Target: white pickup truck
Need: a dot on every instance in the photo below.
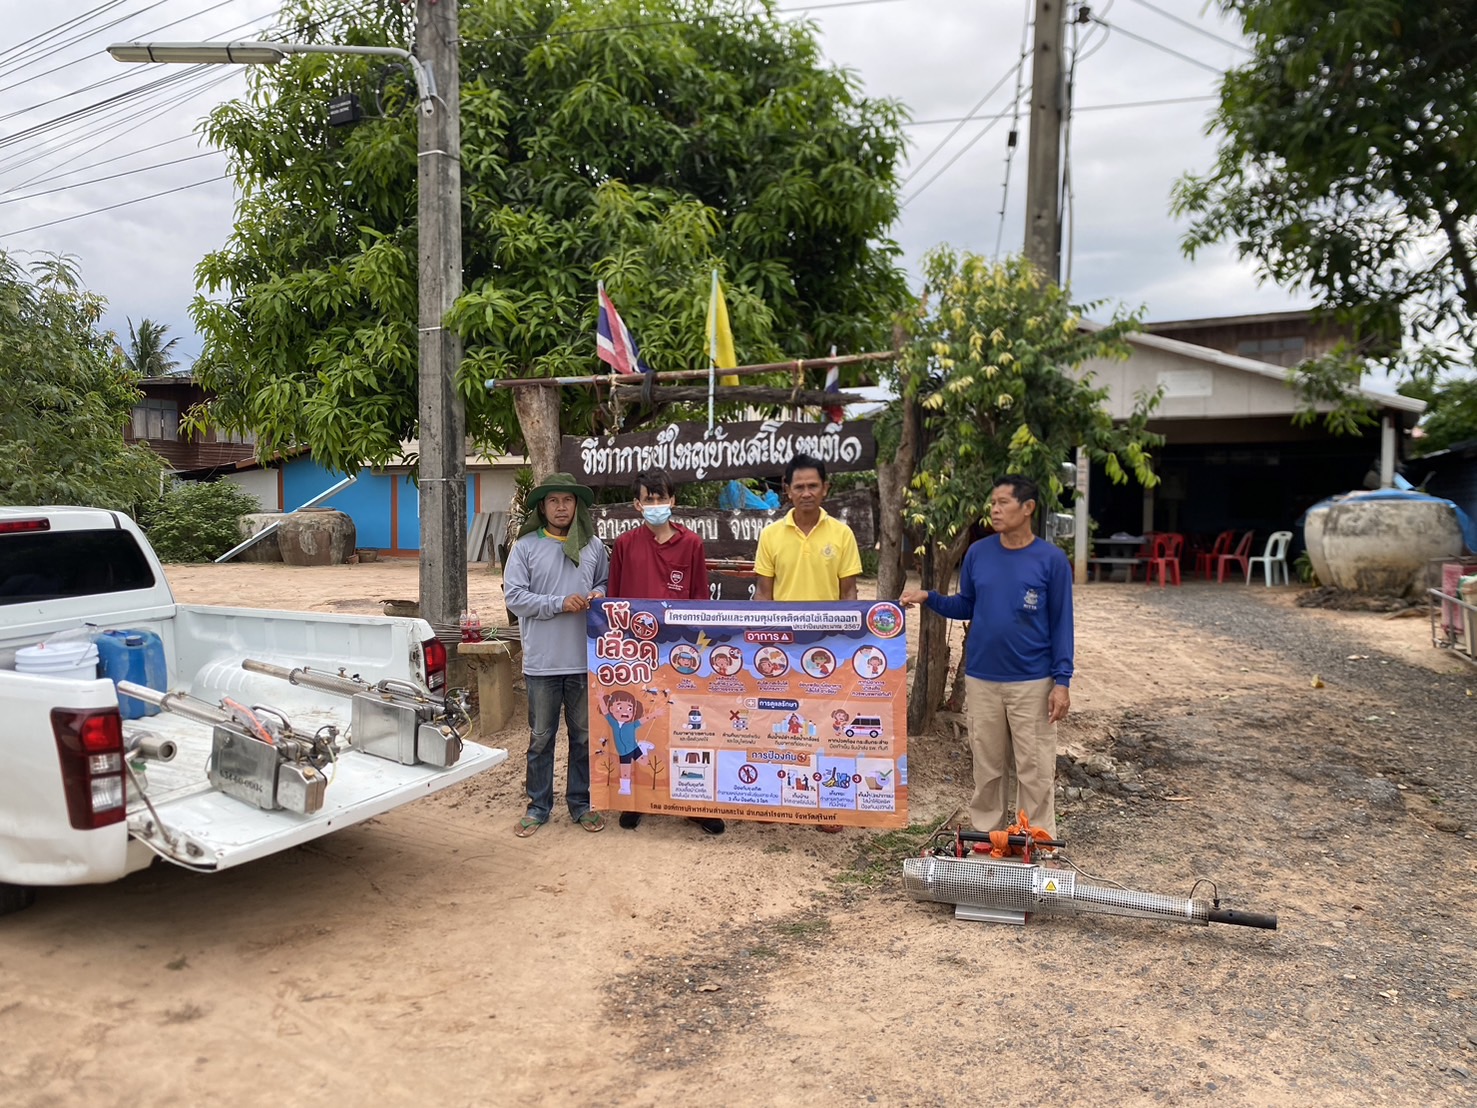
(80, 804)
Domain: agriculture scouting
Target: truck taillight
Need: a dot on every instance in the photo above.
(434, 651)
(90, 745)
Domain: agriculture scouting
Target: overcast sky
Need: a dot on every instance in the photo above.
(939, 57)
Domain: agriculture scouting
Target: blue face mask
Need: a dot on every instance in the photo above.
(656, 514)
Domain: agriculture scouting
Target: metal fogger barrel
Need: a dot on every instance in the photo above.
(259, 760)
(389, 719)
(1017, 887)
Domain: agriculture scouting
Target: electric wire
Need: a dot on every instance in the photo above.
(88, 57)
(915, 170)
(49, 176)
(114, 207)
(40, 37)
(1013, 142)
(77, 113)
(111, 118)
(1218, 70)
(110, 177)
(1066, 207)
(1192, 26)
(120, 114)
(1084, 108)
(73, 41)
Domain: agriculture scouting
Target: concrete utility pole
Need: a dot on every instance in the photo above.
(1043, 201)
(1044, 159)
(443, 415)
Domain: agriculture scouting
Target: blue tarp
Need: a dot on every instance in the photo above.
(735, 495)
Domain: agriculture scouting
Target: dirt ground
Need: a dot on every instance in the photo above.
(431, 957)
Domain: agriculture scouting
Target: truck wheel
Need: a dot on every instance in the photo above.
(15, 897)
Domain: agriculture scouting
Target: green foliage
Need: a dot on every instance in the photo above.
(1451, 413)
(991, 361)
(198, 521)
(148, 355)
(675, 136)
(1345, 168)
(1302, 565)
(65, 396)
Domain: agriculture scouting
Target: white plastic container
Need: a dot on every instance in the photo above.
(75, 661)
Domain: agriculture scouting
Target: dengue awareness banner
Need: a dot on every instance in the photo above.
(789, 712)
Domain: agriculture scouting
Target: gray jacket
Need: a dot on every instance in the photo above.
(536, 580)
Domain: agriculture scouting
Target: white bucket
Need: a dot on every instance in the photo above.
(76, 661)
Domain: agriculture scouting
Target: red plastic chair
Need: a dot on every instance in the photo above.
(1165, 559)
(1205, 560)
(1241, 556)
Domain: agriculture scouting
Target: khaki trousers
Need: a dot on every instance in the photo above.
(1009, 736)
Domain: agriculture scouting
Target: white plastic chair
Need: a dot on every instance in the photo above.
(1273, 559)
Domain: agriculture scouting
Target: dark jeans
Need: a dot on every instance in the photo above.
(546, 694)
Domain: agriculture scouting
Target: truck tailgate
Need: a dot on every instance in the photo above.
(208, 830)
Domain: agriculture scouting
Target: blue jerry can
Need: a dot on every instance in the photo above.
(136, 656)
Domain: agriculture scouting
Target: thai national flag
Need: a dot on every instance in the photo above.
(836, 413)
(613, 342)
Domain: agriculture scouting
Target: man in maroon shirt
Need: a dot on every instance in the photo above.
(659, 560)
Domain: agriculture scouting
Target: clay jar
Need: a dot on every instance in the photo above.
(263, 550)
(1381, 547)
(317, 537)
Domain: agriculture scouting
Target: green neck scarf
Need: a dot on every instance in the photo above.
(581, 531)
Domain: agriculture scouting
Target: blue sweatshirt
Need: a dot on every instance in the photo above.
(1019, 603)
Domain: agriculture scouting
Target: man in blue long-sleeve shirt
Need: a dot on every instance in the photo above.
(1016, 591)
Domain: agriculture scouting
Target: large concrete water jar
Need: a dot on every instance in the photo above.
(1378, 543)
(316, 537)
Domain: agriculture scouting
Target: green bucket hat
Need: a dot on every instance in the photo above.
(559, 482)
(583, 527)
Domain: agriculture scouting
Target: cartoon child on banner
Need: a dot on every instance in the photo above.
(624, 714)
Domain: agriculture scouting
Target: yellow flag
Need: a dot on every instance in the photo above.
(720, 338)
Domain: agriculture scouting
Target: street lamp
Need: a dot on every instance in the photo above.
(442, 415)
(269, 53)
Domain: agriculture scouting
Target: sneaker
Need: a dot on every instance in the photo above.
(629, 820)
(709, 825)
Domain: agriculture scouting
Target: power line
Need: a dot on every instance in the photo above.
(1193, 26)
(73, 41)
(1015, 130)
(915, 170)
(107, 121)
(1218, 70)
(105, 161)
(61, 28)
(1084, 108)
(76, 114)
(115, 207)
(110, 177)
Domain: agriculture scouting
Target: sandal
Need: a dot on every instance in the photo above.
(591, 820)
(527, 826)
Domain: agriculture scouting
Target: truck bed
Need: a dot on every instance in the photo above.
(206, 829)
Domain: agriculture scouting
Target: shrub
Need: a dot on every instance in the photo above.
(197, 521)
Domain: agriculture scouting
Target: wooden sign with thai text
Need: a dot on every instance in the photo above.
(690, 452)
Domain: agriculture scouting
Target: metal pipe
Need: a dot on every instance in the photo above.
(1017, 887)
(182, 704)
(272, 527)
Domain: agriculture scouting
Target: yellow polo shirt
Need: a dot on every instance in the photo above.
(807, 567)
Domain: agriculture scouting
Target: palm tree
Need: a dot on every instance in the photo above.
(148, 353)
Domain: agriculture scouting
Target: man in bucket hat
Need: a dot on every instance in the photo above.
(556, 567)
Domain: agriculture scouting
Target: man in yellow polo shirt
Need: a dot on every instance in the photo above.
(808, 555)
